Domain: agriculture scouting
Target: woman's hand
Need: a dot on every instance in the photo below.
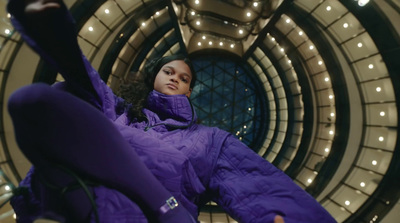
(278, 219)
(40, 6)
(43, 22)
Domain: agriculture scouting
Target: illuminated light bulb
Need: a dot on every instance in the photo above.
(107, 11)
(381, 138)
(330, 132)
(197, 2)
(210, 43)
(248, 14)
(330, 96)
(345, 25)
(309, 180)
(199, 44)
(255, 4)
(8, 15)
(7, 31)
(232, 45)
(221, 43)
(320, 62)
(249, 109)
(273, 39)
(7, 188)
(326, 79)
(311, 47)
(347, 203)
(282, 50)
(326, 150)
(382, 113)
(370, 66)
(143, 24)
(362, 2)
(192, 13)
(240, 31)
(374, 162)
(378, 89)
(203, 37)
(328, 8)
(90, 29)
(359, 44)
(301, 33)
(245, 127)
(157, 13)
(332, 114)
(289, 61)
(362, 184)
(287, 20)
(198, 23)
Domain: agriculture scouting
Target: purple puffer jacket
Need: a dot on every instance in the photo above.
(192, 161)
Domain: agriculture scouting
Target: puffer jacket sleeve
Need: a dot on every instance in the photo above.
(86, 84)
(250, 189)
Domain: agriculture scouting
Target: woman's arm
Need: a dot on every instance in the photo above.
(49, 29)
(251, 189)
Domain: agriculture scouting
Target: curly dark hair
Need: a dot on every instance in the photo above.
(136, 90)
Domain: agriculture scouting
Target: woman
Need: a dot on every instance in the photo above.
(143, 159)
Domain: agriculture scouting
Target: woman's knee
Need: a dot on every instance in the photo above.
(29, 97)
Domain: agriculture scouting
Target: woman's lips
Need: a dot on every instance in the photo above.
(172, 86)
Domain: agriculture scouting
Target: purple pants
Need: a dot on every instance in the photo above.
(54, 126)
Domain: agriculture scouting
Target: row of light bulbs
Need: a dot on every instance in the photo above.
(331, 132)
(255, 4)
(221, 43)
(210, 43)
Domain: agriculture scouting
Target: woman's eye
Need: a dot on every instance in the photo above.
(184, 80)
(167, 72)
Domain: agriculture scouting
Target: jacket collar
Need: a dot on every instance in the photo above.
(175, 111)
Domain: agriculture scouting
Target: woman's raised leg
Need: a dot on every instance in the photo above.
(54, 126)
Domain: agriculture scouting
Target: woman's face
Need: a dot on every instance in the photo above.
(174, 78)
